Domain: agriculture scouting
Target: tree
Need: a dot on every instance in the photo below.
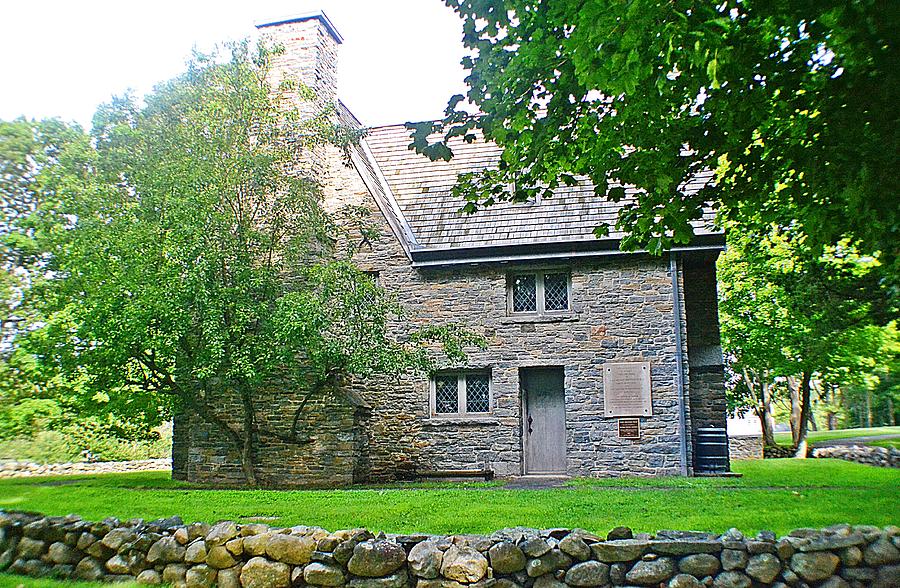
(792, 103)
(34, 395)
(189, 263)
(793, 316)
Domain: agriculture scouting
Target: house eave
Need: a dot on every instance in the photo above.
(531, 252)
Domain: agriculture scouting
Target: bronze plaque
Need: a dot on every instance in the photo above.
(629, 428)
(626, 389)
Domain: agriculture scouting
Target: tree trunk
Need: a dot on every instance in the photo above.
(763, 403)
(766, 419)
(241, 441)
(890, 406)
(805, 409)
(831, 416)
(868, 407)
(794, 389)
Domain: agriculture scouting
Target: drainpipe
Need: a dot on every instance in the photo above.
(679, 362)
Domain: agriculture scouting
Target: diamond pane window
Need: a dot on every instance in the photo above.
(461, 394)
(478, 398)
(524, 294)
(446, 395)
(556, 292)
(539, 293)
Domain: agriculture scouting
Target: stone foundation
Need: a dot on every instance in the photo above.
(255, 555)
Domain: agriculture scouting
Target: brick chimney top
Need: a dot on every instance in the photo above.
(317, 15)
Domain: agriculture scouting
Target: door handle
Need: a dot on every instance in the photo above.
(530, 420)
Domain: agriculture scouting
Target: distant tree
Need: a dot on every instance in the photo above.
(188, 263)
(792, 315)
(792, 103)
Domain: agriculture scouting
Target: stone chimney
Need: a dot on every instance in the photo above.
(310, 45)
(310, 49)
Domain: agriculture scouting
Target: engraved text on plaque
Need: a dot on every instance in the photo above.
(626, 389)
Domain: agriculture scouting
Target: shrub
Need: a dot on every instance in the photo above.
(42, 447)
(79, 442)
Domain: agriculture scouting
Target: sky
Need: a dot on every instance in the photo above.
(62, 58)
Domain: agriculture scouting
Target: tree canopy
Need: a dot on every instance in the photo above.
(795, 322)
(185, 258)
(793, 104)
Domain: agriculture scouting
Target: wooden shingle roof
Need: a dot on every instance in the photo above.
(417, 191)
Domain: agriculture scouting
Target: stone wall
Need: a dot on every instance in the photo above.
(745, 447)
(25, 469)
(329, 458)
(621, 311)
(257, 556)
(886, 457)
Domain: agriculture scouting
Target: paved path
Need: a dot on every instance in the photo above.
(853, 440)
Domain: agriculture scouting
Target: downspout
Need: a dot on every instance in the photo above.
(679, 363)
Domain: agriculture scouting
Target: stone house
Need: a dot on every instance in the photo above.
(599, 362)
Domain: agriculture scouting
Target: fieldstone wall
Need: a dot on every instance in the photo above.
(257, 556)
(886, 457)
(745, 447)
(25, 469)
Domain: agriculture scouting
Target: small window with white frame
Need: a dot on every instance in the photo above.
(541, 292)
(461, 394)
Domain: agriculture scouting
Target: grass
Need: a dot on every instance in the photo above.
(776, 494)
(11, 581)
(784, 438)
(895, 443)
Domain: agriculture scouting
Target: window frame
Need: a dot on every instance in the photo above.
(539, 292)
(461, 394)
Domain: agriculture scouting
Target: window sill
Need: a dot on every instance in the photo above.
(562, 317)
(461, 422)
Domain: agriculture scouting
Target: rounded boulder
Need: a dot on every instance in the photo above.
(372, 559)
(507, 558)
(262, 573)
(290, 549)
(464, 564)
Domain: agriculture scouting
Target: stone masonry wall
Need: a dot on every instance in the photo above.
(229, 555)
(622, 311)
(745, 447)
(707, 382)
(886, 457)
(707, 374)
(328, 459)
(26, 469)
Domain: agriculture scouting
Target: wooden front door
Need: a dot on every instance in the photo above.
(544, 423)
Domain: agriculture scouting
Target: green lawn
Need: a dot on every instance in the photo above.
(895, 443)
(776, 494)
(784, 438)
(11, 581)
